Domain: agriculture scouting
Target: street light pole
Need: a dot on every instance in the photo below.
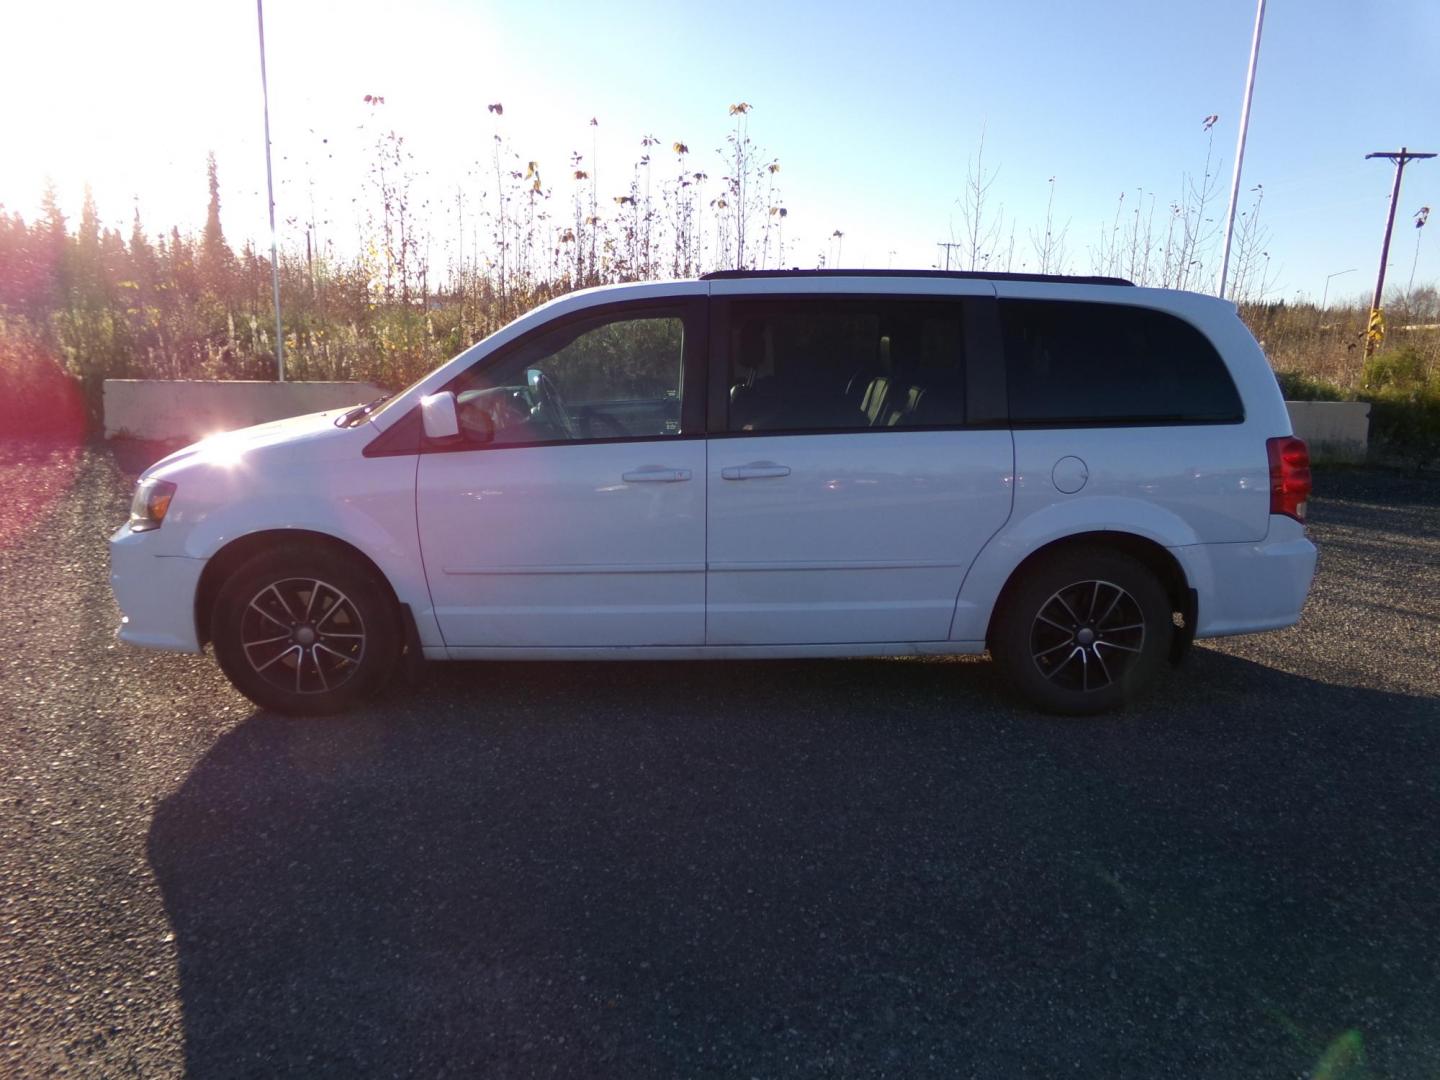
(1375, 329)
(270, 187)
(1325, 295)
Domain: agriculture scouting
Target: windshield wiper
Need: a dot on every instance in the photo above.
(351, 417)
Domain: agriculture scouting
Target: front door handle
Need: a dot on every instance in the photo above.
(757, 470)
(654, 475)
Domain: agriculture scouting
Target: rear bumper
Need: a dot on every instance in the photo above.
(1246, 588)
(156, 593)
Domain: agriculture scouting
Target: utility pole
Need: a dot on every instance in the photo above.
(949, 247)
(1240, 145)
(270, 187)
(1375, 330)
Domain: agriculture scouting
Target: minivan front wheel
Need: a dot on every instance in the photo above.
(305, 633)
(1084, 631)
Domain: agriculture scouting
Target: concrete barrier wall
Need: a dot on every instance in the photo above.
(166, 410)
(1333, 429)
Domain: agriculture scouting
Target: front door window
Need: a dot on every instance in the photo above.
(618, 379)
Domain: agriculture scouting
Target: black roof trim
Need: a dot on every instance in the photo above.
(962, 275)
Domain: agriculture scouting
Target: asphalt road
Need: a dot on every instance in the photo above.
(867, 868)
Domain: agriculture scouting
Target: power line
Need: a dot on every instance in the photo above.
(948, 248)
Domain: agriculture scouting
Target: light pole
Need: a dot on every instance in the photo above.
(1421, 216)
(1325, 295)
(270, 186)
(1240, 145)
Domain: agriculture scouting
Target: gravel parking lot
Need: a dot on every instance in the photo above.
(813, 868)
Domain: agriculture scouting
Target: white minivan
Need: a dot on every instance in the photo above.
(1075, 473)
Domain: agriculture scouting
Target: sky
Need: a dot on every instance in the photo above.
(874, 111)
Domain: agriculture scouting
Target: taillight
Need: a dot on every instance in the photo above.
(1289, 476)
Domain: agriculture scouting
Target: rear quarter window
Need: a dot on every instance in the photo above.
(1071, 362)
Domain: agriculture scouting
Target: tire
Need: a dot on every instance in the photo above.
(303, 614)
(1084, 631)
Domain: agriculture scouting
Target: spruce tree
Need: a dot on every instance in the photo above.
(16, 273)
(50, 248)
(88, 269)
(182, 267)
(142, 256)
(216, 259)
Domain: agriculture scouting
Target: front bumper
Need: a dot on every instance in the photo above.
(156, 593)
(1249, 587)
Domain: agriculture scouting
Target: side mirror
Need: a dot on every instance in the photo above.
(437, 413)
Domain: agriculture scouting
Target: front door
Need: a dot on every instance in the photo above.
(571, 511)
(857, 475)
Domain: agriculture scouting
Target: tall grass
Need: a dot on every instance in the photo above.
(180, 306)
(1328, 344)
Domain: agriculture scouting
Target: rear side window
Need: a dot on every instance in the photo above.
(1080, 363)
(817, 365)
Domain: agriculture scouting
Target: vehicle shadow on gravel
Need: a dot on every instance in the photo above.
(845, 868)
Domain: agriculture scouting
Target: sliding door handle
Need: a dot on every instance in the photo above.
(759, 470)
(653, 475)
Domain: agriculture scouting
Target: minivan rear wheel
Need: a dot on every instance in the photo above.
(1084, 631)
(304, 632)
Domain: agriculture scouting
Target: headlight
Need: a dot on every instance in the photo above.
(151, 502)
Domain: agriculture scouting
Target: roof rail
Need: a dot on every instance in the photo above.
(963, 275)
